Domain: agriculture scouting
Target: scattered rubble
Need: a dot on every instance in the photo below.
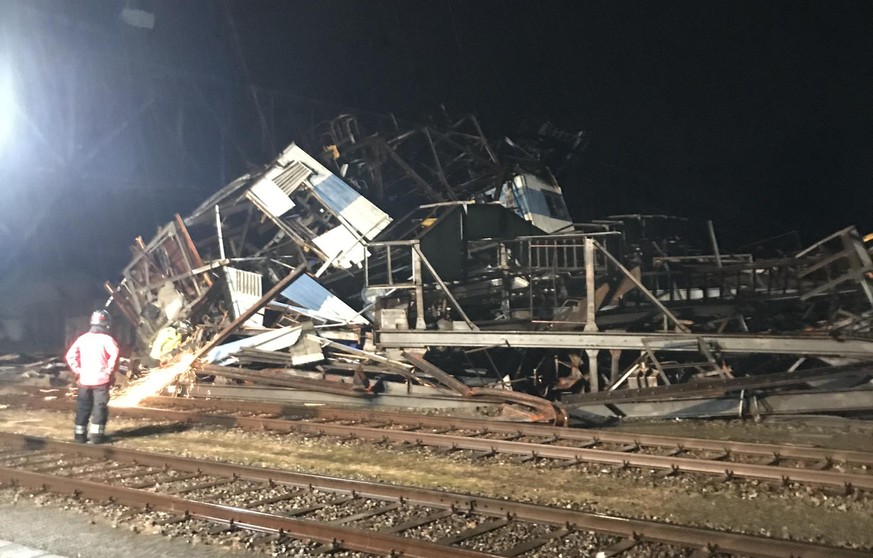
(30, 370)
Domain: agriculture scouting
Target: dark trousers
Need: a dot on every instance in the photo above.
(92, 404)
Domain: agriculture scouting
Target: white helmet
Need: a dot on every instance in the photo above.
(101, 318)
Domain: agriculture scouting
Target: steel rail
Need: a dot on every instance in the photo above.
(671, 463)
(584, 436)
(371, 541)
(847, 481)
(350, 539)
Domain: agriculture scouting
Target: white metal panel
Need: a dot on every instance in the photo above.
(245, 290)
(339, 242)
(271, 197)
(361, 215)
(273, 340)
(365, 218)
(527, 195)
(292, 177)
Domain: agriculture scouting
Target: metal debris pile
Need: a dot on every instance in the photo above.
(426, 266)
(39, 371)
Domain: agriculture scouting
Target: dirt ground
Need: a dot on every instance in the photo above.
(746, 506)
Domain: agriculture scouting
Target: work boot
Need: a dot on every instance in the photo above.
(96, 433)
(79, 434)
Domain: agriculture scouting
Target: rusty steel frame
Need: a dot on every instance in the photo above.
(814, 345)
(721, 386)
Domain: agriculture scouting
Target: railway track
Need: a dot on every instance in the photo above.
(322, 515)
(842, 472)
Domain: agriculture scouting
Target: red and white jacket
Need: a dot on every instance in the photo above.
(93, 357)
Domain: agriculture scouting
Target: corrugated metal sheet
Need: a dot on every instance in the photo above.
(358, 212)
(292, 177)
(309, 294)
(245, 290)
(273, 340)
(272, 190)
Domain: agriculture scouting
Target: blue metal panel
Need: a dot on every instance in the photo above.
(335, 193)
(308, 293)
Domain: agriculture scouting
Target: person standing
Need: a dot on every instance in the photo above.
(93, 358)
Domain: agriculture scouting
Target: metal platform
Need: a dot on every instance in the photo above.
(812, 345)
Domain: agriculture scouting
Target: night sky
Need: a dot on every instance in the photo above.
(757, 115)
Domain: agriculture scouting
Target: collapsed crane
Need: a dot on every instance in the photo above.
(429, 260)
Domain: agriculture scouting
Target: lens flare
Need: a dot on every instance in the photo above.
(7, 106)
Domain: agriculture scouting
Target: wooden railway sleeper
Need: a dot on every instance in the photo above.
(706, 552)
(409, 427)
(333, 546)
(237, 492)
(210, 484)
(35, 459)
(527, 458)
(366, 514)
(229, 527)
(419, 521)
(339, 501)
(484, 454)
(442, 431)
(63, 465)
(527, 546)
(724, 456)
(102, 470)
(630, 448)
(19, 454)
(485, 526)
(673, 471)
(445, 451)
(551, 439)
(620, 547)
(179, 518)
(156, 482)
(133, 474)
(564, 463)
(272, 500)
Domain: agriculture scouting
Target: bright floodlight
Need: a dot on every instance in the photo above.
(7, 107)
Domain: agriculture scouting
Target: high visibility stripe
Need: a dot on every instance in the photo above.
(80, 429)
(98, 428)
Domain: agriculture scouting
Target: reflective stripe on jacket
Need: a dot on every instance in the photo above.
(93, 357)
